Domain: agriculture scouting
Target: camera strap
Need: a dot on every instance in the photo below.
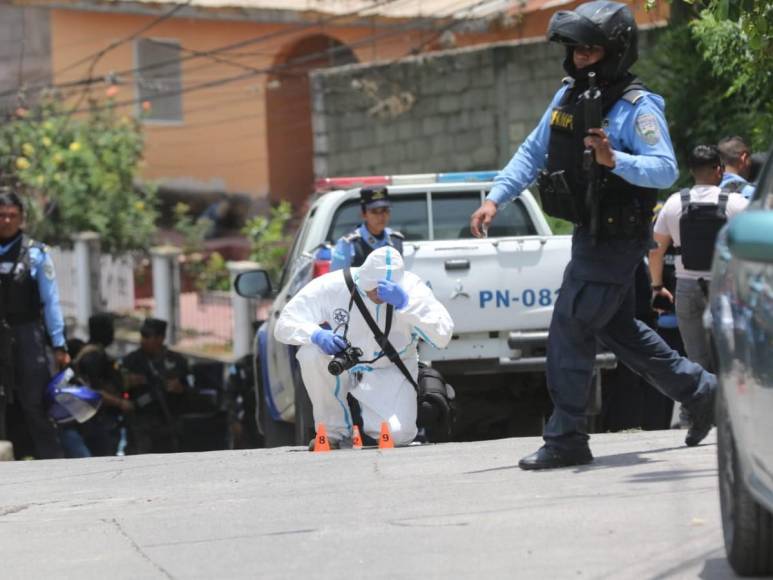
(382, 338)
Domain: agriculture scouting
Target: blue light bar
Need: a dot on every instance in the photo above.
(466, 176)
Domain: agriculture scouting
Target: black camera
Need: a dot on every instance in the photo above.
(344, 360)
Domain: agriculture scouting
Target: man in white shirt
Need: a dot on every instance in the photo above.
(671, 227)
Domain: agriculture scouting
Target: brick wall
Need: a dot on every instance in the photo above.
(459, 110)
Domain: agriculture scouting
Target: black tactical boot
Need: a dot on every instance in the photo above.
(701, 413)
(548, 457)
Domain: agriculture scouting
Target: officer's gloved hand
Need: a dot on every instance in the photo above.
(392, 294)
(328, 341)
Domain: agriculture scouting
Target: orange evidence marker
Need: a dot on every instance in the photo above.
(356, 438)
(385, 439)
(321, 442)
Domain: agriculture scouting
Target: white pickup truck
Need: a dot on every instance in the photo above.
(500, 292)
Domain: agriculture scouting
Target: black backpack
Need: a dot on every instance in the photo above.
(699, 225)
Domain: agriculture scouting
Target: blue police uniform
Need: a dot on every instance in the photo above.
(736, 183)
(353, 248)
(596, 300)
(29, 287)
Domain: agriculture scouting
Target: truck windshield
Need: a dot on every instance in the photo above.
(450, 217)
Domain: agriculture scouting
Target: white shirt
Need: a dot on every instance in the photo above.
(667, 223)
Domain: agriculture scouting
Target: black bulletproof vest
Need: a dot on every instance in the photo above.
(699, 225)
(625, 209)
(362, 249)
(18, 289)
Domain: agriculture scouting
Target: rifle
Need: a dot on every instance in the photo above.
(593, 120)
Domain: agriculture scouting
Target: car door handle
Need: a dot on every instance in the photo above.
(459, 264)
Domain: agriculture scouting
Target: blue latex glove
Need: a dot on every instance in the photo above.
(328, 341)
(392, 294)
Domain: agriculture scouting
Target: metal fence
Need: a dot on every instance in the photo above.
(116, 282)
(210, 323)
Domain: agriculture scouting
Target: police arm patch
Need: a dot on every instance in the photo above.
(647, 128)
(48, 269)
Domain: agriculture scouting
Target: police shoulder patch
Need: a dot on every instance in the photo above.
(647, 128)
(48, 269)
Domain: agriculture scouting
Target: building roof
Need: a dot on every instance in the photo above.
(283, 10)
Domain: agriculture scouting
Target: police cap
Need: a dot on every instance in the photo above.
(373, 197)
(153, 327)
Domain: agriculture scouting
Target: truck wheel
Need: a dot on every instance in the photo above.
(304, 419)
(275, 433)
(747, 526)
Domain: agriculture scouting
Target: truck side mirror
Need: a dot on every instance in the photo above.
(253, 284)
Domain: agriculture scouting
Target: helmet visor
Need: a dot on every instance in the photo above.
(572, 29)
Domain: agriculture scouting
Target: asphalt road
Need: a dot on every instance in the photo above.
(647, 508)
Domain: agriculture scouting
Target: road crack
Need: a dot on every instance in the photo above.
(138, 549)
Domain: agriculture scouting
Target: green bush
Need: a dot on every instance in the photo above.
(78, 174)
(268, 238)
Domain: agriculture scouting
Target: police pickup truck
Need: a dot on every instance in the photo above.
(499, 290)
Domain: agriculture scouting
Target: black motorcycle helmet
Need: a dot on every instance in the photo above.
(598, 23)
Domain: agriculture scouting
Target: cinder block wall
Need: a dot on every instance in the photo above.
(458, 110)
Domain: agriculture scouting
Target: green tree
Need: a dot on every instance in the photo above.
(79, 174)
(268, 238)
(715, 68)
(208, 273)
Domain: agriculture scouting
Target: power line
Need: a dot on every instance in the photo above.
(464, 8)
(247, 42)
(287, 65)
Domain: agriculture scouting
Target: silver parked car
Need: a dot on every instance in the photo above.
(740, 323)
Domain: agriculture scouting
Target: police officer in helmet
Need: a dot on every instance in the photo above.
(610, 201)
(29, 308)
(373, 233)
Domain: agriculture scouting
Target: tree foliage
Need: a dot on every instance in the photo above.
(268, 238)
(78, 175)
(716, 72)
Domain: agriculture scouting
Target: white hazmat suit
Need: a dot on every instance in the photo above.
(383, 392)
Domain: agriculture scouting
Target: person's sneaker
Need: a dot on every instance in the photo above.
(548, 457)
(701, 413)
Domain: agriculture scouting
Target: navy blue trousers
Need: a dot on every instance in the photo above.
(32, 371)
(589, 312)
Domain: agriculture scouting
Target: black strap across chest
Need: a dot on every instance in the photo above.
(382, 338)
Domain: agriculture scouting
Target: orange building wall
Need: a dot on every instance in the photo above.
(223, 139)
(223, 134)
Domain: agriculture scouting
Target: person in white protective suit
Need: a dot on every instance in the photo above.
(381, 389)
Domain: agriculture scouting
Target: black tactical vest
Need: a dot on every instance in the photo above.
(362, 249)
(699, 226)
(18, 289)
(625, 209)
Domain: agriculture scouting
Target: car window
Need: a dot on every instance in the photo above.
(766, 188)
(450, 217)
(297, 247)
(409, 217)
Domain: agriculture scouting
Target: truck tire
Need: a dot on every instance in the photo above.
(747, 526)
(275, 433)
(305, 429)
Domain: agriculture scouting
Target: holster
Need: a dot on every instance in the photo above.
(437, 409)
(557, 199)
